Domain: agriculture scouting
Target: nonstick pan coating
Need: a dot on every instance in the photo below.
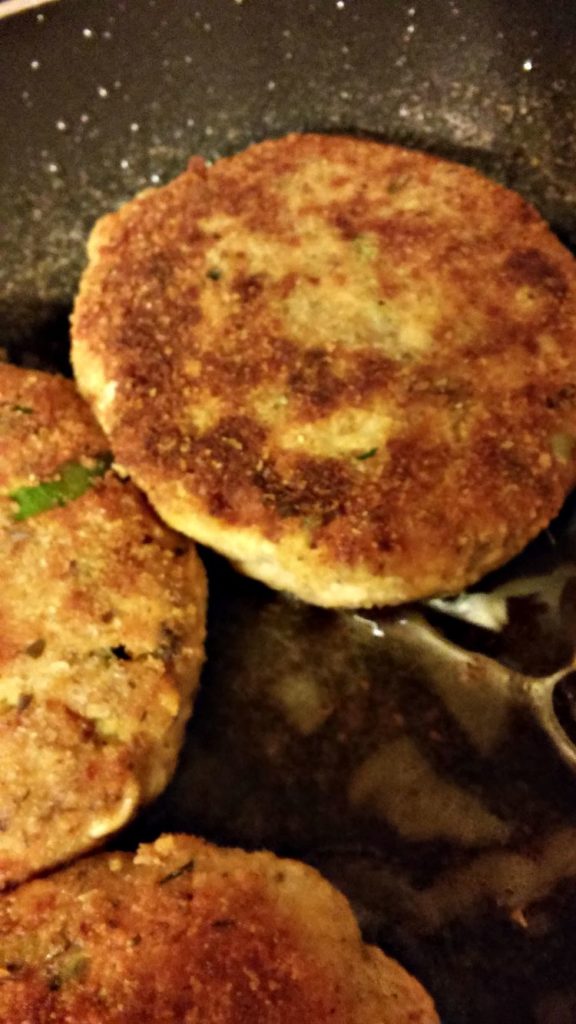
(101, 98)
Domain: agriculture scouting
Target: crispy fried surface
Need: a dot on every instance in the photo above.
(348, 366)
(101, 636)
(186, 933)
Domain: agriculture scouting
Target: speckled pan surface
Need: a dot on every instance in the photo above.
(101, 98)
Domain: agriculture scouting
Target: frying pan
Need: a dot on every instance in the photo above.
(101, 98)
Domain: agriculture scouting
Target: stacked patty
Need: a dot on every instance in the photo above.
(185, 932)
(101, 632)
(348, 367)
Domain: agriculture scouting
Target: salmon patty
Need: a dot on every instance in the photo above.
(186, 932)
(101, 632)
(349, 367)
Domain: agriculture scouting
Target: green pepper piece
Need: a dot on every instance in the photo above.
(72, 482)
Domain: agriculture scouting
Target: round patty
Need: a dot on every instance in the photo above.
(347, 366)
(101, 632)
(186, 932)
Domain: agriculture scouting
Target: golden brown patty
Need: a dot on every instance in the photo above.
(186, 933)
(349, 367)
(101, 632)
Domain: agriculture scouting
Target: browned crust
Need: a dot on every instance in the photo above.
(101, 638)
(184, 932)
(477, 372)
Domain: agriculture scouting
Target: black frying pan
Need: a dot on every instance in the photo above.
(101, 98)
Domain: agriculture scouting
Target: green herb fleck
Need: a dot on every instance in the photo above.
(366, 455)
(73, 966)
(26, 409)
(214, 273)
(189, 866)
(72, 482)
(366, 247)
(562, 446)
